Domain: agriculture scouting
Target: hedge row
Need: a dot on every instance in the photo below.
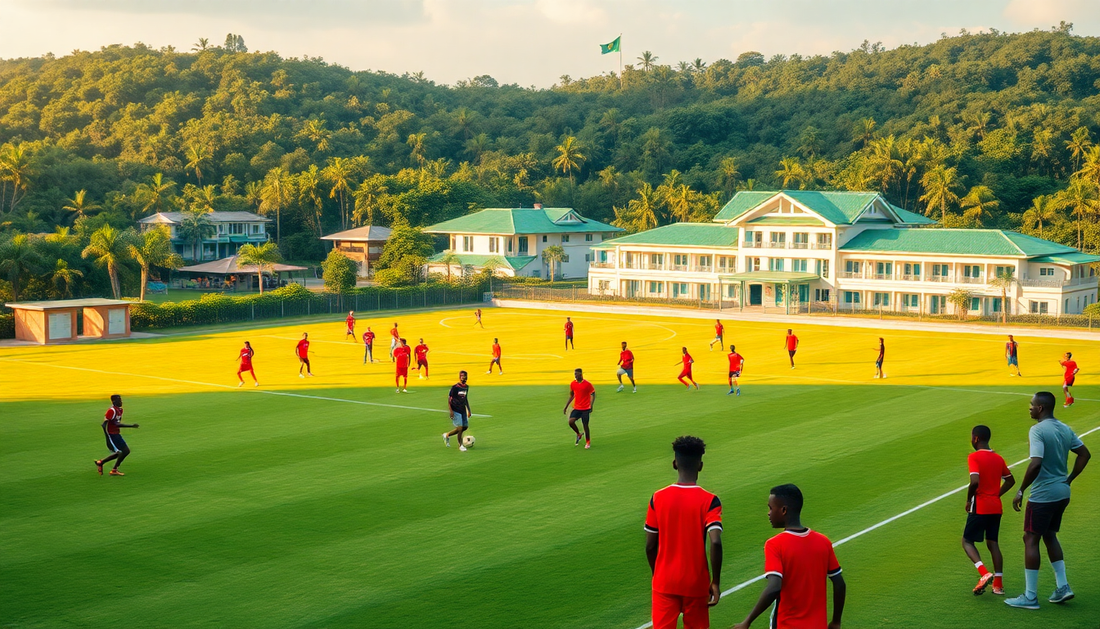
(7, 326)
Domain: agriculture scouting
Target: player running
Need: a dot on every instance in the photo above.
(458, 405)
(1012, 355)
(245, 358)
(368, 344)
(496, 359)
(685, 372)
(583, 396)
(1049, 442)
(351, 326)
(881, 357)
(797, 563)
(421, 352)
(568, 334)
(791, 343)
(394, 336)
(302, 352)
(737, 363)
(401, 355)
(719, 329)
(112, 422)
(626, 368)
(677, 554)
(989, 480)
(477, 318)
(1068, 377)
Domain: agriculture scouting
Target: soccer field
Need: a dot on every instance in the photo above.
(332, 501)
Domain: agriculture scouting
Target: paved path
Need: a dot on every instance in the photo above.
(843, 322)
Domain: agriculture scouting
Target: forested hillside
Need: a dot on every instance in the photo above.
(987, 129)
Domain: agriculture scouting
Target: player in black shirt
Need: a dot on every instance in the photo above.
(458, 406)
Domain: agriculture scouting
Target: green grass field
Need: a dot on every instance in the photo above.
(332, 502)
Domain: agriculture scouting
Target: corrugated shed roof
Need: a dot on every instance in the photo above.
(974, 242)
(681, 234)
(511, 221)
(743, 201)
(1068, 258)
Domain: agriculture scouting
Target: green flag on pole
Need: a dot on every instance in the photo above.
(612, 47)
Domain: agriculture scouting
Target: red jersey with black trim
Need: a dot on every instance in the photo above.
(718, 329)
(113, 418)
(401, 354)
(626, 358)
(496, 350)
(351, 323)
(1071, 368)
(991, 469)
(682, 516)
(569, 329)
(792, 342)
(246, 358)
(736, 361)
(687, 360)
(582, 395)
(422, 352)
(303, 348)
(368, 338)
(805, 560)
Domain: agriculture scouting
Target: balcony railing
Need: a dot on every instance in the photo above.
(602, 265)
(777, 245)
(822, 245)
(699, 268)
(679, 267)
(751, 244)
(882, 276)
(1077, 281)
(851, 274)
(938, 278)
(972, 280)
(910, 278)
(800, 245)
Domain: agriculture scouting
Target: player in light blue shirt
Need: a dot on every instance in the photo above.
(1050, 442)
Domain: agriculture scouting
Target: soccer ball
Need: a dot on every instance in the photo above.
(468, 441)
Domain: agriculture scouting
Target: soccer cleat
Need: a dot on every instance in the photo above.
(998, 591)
(588, 446)
(404, 390)
(461, 448)
(730, 392)
(696, 386)
(983, 582)
(447, 439)
(737, 392)
(577, 442)
(488, 372)
(619, 390)
(398, 390)
(115, 472)
(1022, 602)
(300, 375)
(99, 467)
(257, 384)
(501, 373)
(1061, 595)
(419, 377)
(241, 384)
(635, 389)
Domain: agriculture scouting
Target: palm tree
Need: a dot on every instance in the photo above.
(865, 131)
(201, 45)
(978, 204)
(309, 185)
(728, 173)
(552, 255)
(253, 193)
(155, 191)
(63, 278)
(491, 265)
(698, 65)
(477, 146)
(1043, 208)
(648, 60)
(1003, 281)
(197, 157)
(449, 258)
(679, 201)
(939, 190)
(154, 248)
(204, 198)
(960, 298)
(110, 248)
(569, 159)
(338, 173)
(885, 163)
(684, 67)
(367, 200)
(809, 142)
(790, 171)
(79, 206)
(464, 119)
(1078, 143)
(18, 258)
(1090, 170)
(639, 214)
(194, 228)
(263, 257)
(417, 146)
(317, 133)
(1080, 199)
(276, 195)
(14, 170)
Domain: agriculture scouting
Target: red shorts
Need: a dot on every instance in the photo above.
(403, 371)
(244, 368)
(668, 607)
(686, 373)
(421, 363)
(1068, 382)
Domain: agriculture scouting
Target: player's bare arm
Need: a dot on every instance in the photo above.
(840, 592)
(651, 540)
(570, 401)
(972, 490)
(592, 404)
(1030, 475)
(1008, 482)
(715, 538)
(1083, 456)
(771, 591)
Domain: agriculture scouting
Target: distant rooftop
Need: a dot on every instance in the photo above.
(175, 218)
(367, 233)
(511, 221)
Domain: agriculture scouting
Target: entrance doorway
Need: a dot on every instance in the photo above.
(756, 294)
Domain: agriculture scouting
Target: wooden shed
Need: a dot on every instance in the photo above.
(47, 322)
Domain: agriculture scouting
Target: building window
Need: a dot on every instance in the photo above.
(605, 285)
(800, 265)
(753, 239)
(821, 294)
(467, 243)
(679, 262)
(509, 245)
(911, 271)
(851, 297)
(972, 271)
(824, 241)
(775, 264)
(523, 245)
(494, 245)
(975, 303)
(656, 261)
(587, 257)
(588, 237)
(937, 304)
(779, 240)
(882, 299)
(996, 304)
(756, 264)
(1038, 307)
(731, 291)
(1046, 271)
(853, 268)
(727, 264)
(544, 237)
(256, 228)
(564, 238)
(705, 262)
(884, 270)
(940, 272)
(681, 289)
(801, 240)
(564, 259)
(603, 257)
(656, 288)
(236, 228)
(822, 268)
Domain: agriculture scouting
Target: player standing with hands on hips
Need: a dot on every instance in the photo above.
(569, 334)
(112, 422)
(583, 397)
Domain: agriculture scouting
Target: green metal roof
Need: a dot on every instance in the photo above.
(771, 276)
(974, 242)
(680, 235)
(478, 260)
(837, 207)
(785, 220)
(509, 221)
(1068, 258)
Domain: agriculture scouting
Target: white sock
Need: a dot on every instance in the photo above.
(1031, 583)
(978, 565)
(1059, 573)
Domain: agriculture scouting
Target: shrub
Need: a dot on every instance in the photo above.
(7, 326)
(390, 278)
(339, 272)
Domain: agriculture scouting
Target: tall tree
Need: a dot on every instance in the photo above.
(14, 175)
(1044, 208)
(368, 198)
(19, 257)
(155, 192)
(940, 183)
(978, 205)
(728, 174)
(309, 197)
(553, 255)
(1078, 144)
(648, 60)
(418, 147)
(202, 45)
(153, 248)
(197, 159)
(569, 158)
(78, 206)
(790, 171)
(110, 248)
(1080, 199)
(1003, 281)
(264, 257)
(278, 192)
(63, 278)
(338, 174)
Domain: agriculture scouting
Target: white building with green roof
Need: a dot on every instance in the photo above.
(517, 237)
(848, 250)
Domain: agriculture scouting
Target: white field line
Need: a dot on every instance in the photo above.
(915, 386)
(634, 321)
(229, 386)
(853, 536)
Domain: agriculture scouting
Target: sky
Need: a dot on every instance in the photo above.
(529, 42)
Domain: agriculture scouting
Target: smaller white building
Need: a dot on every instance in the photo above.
(518, 237)
(231, 231)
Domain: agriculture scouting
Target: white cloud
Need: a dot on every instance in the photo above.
(1047, 13)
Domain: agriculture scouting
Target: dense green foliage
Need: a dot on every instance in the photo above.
(988, 129)
(339, 272)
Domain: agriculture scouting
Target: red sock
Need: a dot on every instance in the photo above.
(981, 570)
(997, 583)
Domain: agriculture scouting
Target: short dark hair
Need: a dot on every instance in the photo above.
(1046, 400)
(1069, 354)
(982, 432)
(463, 373)
(116, 398)
(404, 341)
(790, 495)
(688, 448)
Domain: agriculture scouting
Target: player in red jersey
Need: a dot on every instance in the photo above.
(989, 480)
(496, 359)
(583, 396)
(401, 355)
(302, 352)
(797, 563)
(568, 334)
(477, 318)
(368, 343)
(394, 336)
(737, 363)
(719, 330)
(881, 349)
(245, 358)
(1012, 355)
(685, 372)
(351, 326)
(791, 343)
(1068, 377)
(677, 554)
(421, 352)
(112, 422)
(626, 368)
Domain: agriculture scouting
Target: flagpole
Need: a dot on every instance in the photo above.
(620, 62)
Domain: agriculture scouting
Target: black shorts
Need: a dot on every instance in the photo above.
(581, 415)
(981, 527)
(878, 363)
(791, 352)
(735, 374)
(1041, 518)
